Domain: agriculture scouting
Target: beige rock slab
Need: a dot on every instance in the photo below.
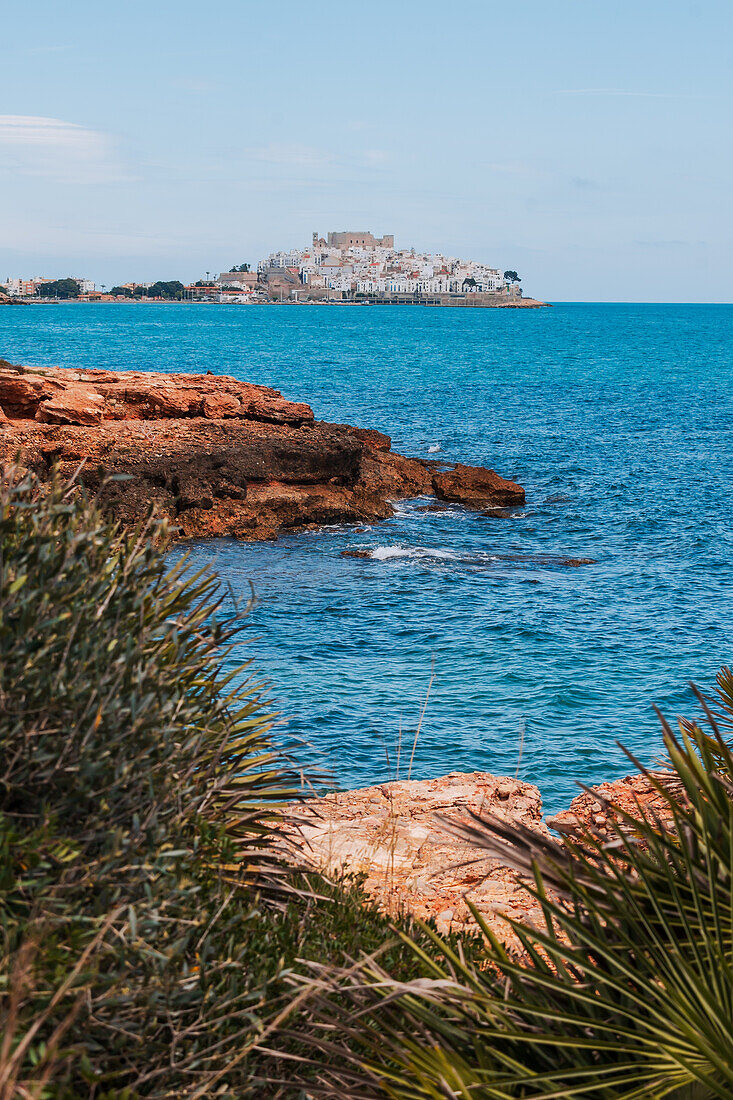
(398, 836)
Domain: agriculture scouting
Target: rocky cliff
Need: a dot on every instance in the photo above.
(218, 456)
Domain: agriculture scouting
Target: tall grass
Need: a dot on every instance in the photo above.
(149, 935)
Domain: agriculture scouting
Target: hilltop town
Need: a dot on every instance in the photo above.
(343, 267)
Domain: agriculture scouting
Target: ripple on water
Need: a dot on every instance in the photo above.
(602, 412)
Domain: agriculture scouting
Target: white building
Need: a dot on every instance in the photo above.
(382, 269)
(26, 288)
(294, 258)
(23, 288)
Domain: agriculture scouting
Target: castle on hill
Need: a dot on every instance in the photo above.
(356, 263)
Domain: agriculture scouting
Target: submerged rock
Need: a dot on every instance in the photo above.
(546, 560)
(356, 553)
(217, 456)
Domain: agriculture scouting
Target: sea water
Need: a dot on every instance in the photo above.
(472, 632)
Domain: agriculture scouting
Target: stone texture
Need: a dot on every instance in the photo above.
(476, 487)
(217, 456)
(60, 395)
(592, 811)
(398, 836)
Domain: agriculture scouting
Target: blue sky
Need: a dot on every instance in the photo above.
(585, 143)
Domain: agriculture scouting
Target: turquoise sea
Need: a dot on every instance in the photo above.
(618, 420)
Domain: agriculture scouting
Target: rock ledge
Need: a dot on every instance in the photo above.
(216, 455)
(398, 837)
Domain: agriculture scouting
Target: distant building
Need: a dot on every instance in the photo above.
(132, 287)
(26, 288)
(23, 288)
(195, 293)
(356, 240)
(241, 279)
(281, 259)
(346, 264)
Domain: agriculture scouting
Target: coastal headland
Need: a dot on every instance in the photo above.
(348, 268)
(217, 456)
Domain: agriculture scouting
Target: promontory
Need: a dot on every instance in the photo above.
(217, 456)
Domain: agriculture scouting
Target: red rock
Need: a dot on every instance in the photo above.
(20, 395)
(217, 456)
(475, 487)
(399, 837)
(220, 406)
(372, 439)
(72, 406)
(592, 812)
(135, 395)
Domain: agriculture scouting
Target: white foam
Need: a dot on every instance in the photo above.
(434, 448)
(384, 553)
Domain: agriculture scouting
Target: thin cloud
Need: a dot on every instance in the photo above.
(627, 92)
(35, 51)
(54, 149)
(291, 156)
(662, 243)
(308, 159)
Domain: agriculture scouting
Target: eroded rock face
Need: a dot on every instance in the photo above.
(217, 456)
(62, 396)
(398, 835)
(593, 811)
(476, 487)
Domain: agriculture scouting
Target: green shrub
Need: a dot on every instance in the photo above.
(138, 790)
(625, 992)
(141, 952)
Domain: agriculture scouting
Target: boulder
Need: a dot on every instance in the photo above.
(476, 487)
(595, 810)
(72, 406)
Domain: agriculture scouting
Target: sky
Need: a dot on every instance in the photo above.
(583, 143)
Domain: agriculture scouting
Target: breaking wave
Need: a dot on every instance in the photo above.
(479, 559)
(384, 553)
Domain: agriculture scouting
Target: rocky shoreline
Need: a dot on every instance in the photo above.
(220, 457)
(399, 838)
(217, 456)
